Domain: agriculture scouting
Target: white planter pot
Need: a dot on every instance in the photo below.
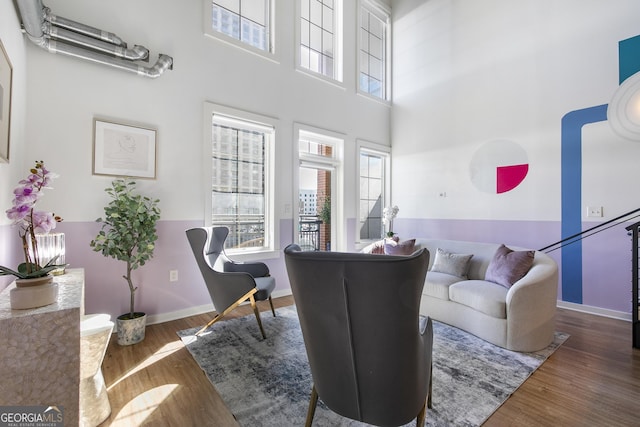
(131, 331)
(32, 293)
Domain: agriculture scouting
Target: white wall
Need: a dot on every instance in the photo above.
(465, 73)
(10, 173)
(468, 73)
(64, 95)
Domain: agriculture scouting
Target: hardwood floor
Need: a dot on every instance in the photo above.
(592, 379)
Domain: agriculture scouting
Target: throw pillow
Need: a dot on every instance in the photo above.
(400, 248)
(378, 247)
(508, 266)
(450, 263)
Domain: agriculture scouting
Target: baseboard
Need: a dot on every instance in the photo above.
(200, 309)
(180, 314)
(208, 308)
(604, 312)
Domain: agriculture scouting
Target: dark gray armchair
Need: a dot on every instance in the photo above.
(229, 283)
(368, 347)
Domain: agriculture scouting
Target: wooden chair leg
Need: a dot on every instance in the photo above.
(313, 401)
(422, 416)
(231, 308)
(272, 309)
(211, 322)
(429, 404)
(257, 313)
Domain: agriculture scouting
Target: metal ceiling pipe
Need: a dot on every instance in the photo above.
(77, 27)
(33, 13)
(163, 63)
(134, 54)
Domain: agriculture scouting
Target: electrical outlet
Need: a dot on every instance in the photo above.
(173, 275)
(594, 211)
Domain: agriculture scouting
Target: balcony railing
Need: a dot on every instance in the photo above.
(249, 232)
(309, 233)
(244, 232)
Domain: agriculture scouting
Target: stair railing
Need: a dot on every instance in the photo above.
(635, 302)
(632, 230)
(593, 230)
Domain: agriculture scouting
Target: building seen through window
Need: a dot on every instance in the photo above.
(238, 186)
(243, 20)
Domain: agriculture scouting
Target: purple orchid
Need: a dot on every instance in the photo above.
(29, 221)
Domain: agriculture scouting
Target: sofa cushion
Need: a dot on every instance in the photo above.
(399, 248)
(509, 266)
(437, 284)
(486, 297)
(450, 263)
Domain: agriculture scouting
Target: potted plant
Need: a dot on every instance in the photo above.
(388, 215)
(128, 234)
(29, 223)
(325, 216)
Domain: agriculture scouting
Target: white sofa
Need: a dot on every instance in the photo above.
(520, 318)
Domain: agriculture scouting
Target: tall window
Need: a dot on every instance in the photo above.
(247, 21)
(321, 37)
(373, 44)
(374, 187)
(240, 170)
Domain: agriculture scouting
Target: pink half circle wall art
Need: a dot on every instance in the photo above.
(499, 166)
(509, 177)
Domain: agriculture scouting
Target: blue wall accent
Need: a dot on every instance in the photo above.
(571, 193)
(571, 163)
(629, 57)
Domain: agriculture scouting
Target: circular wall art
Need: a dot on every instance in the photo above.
(623, 111)
(499, 166)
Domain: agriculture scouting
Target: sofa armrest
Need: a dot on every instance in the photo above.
(531, 306)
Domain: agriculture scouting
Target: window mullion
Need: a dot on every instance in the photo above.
(240, 25)
(374, 43)
(322, 56)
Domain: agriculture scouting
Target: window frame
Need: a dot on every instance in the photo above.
(383, 151)
(382, 12)
(270, 53)
(338, 47)
(271, 246)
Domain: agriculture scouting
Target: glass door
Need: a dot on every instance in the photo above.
(317, 186)
(315, 212)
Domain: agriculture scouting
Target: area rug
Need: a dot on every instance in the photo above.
(268, 382)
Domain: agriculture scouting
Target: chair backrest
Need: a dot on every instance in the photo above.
(359, 315)
(214, 248)
(207, 244)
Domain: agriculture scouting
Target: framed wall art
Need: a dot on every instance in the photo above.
(6, 73)
(123, 150)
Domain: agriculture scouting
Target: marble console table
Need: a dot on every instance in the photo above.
(40, 349)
